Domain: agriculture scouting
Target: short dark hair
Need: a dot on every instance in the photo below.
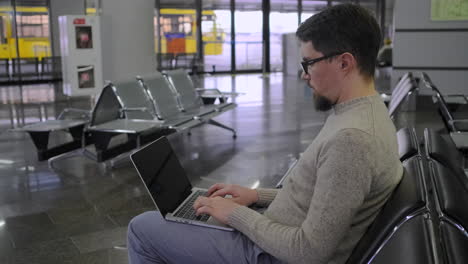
(344, 28)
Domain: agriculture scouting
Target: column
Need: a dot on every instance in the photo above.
(128, 46)
(60, 8)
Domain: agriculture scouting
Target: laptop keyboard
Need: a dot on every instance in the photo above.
(187, 211)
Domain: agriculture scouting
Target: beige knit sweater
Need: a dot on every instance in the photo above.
(335, 191)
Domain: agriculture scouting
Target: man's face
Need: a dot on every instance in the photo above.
(321, 77)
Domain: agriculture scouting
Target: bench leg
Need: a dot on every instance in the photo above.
(216, 123)
(41, 141)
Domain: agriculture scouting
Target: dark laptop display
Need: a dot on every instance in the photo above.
(163, 175)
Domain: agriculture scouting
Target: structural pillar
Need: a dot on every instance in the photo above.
(233, 36)
(266, 35)
(61, 8)
(128, 46)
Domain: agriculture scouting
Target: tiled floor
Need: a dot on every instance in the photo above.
(78, 212)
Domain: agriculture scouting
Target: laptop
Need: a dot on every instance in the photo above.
(168, 185)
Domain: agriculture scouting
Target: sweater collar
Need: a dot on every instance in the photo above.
(348, 105)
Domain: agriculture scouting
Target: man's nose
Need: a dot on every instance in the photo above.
(304, 76)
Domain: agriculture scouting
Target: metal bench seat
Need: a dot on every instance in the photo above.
(169, 106)
(117, 112)
(191, 102)
(456, 122)
(127, 126)
(405, 86)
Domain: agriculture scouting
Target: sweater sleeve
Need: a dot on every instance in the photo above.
(265, 196)
(344, 169)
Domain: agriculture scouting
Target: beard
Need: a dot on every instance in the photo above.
(322, 103)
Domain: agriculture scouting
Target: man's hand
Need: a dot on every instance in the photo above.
(217, 207)
(240, 195)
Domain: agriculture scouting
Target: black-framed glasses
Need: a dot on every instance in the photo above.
(305, 64)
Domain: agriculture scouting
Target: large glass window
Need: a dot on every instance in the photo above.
(283, 19)
(216, 28)
(33, 33)
(177, 35)
(33, 25)
(176, 24)
(249, 46)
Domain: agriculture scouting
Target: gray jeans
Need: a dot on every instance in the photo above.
(151, 239)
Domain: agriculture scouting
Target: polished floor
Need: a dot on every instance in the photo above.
(78, 211)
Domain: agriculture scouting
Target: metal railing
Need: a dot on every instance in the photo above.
(30, 69)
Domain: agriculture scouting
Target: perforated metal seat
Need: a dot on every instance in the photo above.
(176, 107)
(191, 102)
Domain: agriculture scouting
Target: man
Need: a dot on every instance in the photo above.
(338, 186)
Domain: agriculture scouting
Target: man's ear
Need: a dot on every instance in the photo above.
(348, 62)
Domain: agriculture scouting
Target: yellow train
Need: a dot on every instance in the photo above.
(33, 33)
(178, 32)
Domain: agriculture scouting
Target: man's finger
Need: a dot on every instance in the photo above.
(214, 188)
(204, 210)
(220, 193)
(201, 201)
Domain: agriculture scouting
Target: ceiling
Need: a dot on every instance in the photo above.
(276, 5)
(24, 2)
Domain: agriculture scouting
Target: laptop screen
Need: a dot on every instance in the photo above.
(162, 174)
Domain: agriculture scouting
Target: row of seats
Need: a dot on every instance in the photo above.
(141, 110)
(425, 220)
(454, 112)
(451, 195)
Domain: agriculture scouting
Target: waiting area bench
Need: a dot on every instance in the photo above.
(141, 110)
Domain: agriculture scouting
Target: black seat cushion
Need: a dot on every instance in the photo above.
(452, 192)
(407, 143)
(407, 198)
(409, 245)
(461, 112)
(454, 243)
(461, 125)
(443, 150)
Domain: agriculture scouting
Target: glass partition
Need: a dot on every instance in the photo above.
(249, 46)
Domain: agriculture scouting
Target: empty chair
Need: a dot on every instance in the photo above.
(164, 101)
(409, 244)
(455, 121)
(454, 243)
(452, 193)
(191, 102)
(136, 104)
(189, 96)
(407, 200)
(407, 143)
(107, 122)
(443, 150)
(405, 86)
